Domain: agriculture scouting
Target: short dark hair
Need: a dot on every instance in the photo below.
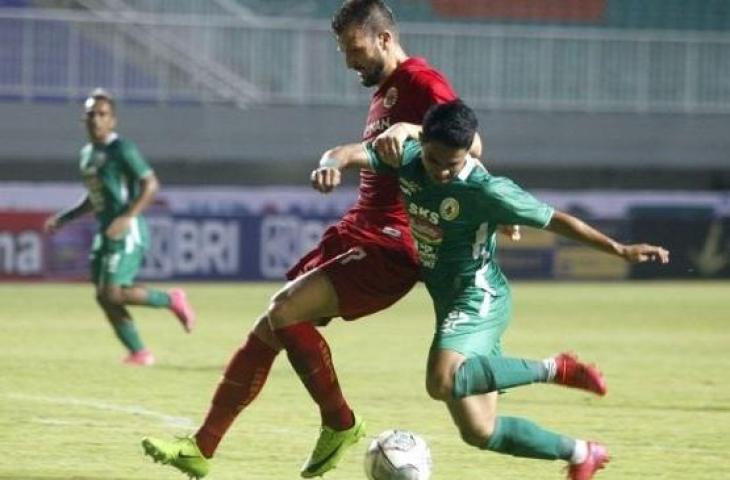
(101, 94)
(453, 123)
(371, 15)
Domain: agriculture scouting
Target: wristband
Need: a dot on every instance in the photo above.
(328, 162)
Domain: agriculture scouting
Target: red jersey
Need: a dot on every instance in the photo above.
(405, 96)
(369, 255)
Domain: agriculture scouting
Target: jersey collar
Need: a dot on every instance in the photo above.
(468, 167)
(111, 138)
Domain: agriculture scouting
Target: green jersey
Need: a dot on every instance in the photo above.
(112, 174)
(455, 224)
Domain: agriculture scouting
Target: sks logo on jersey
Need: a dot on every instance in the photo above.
(391, 98)
(425, 229)
(419, 212)
(377, 126)
(449, 208)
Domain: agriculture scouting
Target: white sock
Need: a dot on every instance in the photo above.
(580, 452)
(551, 367)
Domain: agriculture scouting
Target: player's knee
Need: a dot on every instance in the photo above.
(439, 387)
(279, 312)
(264, 332)
(112, 296)
(476, 435)
(100, 298)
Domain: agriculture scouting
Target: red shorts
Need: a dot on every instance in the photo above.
(369, 270)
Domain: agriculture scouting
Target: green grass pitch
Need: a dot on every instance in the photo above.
(70, 411)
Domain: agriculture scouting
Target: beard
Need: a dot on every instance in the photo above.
(373, 75)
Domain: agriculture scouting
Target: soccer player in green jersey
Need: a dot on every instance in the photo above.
(119, 185)
(455, 208)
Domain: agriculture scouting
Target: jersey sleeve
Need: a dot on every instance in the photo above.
(505, 203)
(411, 152)
(376, 164)
(133, 160)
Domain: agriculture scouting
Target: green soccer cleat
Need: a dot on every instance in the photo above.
(182, 453)
(331, 446)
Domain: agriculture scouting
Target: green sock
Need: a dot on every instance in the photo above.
(522, 438)
(484, 374)
(127, 333)
(158, 298)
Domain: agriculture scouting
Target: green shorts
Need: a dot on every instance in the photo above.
(473, 323)
(115, 262)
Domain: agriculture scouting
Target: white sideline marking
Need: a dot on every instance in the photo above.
(169, 420)
(66, 422)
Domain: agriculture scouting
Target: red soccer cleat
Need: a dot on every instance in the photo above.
(572, 373)
(182, 309)
(142, 358)
(597, 459)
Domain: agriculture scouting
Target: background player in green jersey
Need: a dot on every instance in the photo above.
(119, 186)
(455, 207)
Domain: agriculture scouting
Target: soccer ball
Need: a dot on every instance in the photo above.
(398, 455)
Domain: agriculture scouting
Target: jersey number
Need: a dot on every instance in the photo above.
(355, 253)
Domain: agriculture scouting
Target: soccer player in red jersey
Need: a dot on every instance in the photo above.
(363, 264)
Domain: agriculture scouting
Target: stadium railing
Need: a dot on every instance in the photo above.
(61, 54)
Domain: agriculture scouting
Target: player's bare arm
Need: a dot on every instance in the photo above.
(327, 176)
(571, 227)
(150, 186)
(389, 144)
(57, 221)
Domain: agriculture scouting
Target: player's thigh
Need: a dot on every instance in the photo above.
(473, 324)
(475, 416)
(370, 277)
(332, 244)
(441, 367)
(307, 298)
(118, 267)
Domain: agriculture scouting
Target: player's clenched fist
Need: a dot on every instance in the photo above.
(325, 179)
(643, 252)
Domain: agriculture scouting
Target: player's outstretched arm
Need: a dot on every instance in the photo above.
(149, 188)
(57, 221)
(571, 227)
(327, 175)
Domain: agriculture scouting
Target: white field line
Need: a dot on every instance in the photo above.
(76, 422)
(169, 420)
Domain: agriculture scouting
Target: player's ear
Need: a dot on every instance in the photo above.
(385, 38)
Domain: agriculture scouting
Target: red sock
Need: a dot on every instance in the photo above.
(310, 356)
(242, 381)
